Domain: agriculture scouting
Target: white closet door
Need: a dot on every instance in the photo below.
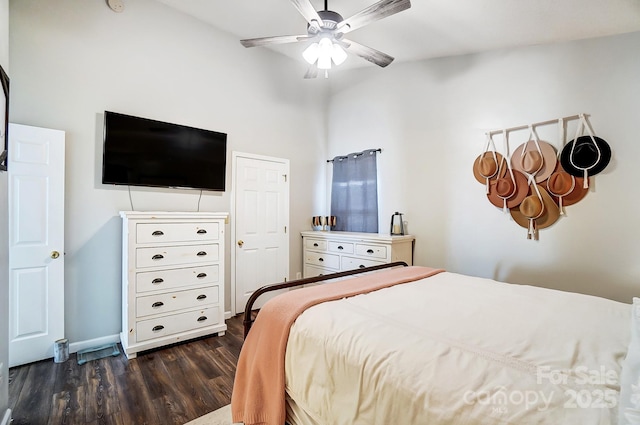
(261, 221)
(36, 242)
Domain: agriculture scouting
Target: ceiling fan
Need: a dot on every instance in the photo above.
(326, 30)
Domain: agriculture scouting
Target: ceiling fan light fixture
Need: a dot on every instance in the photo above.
(325, 53)
(324, 62)
(311, 53)
(338, 54)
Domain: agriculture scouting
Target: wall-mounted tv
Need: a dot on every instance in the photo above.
(144, 152)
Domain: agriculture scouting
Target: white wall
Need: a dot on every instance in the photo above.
(430, 117)
(72, 60)
(4, 235)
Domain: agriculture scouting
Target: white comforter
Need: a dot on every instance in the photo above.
(453, 349)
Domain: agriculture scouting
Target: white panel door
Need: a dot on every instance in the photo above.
(36, 242)
(261, 214)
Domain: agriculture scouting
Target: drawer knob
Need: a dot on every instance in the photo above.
(315, 244)
(369, 251)
(202, 318)
(157, 233)
(157, 328)
(340, 247)
(321, 259)
(361, 266)
(157, 304)
(201, 254)
(157, 281)
(201, 232)
(201, 297)
(157, 257)
(201, 275)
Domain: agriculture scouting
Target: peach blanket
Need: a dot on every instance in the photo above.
(259, 388)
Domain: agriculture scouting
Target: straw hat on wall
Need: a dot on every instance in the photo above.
(538, 207)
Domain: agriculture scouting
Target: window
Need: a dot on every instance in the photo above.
(354, 192)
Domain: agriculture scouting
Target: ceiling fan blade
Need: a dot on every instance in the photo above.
(312, 72)
(372, 55)
(278, 39)
(375, 12)
(307, 10)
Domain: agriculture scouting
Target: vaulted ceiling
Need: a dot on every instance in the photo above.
(430, 28)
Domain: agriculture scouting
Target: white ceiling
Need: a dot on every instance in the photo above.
(430, 28)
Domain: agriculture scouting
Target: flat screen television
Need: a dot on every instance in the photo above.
(144, 152)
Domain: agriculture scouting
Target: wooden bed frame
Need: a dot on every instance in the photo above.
(248, 320)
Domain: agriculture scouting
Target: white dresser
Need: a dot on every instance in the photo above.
(330, 252)
(172, 278)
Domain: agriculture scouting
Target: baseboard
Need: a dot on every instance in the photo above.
(93, 343)
(7, 418)
(74, 347)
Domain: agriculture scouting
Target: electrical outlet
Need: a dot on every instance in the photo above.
(298, 275)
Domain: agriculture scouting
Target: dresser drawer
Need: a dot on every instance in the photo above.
(350, 263)
(176, 232)
(176, 255)
(316, 244)
(375, 251)
(176, 323)
(325, 260)
(340, 247)
(313, 271)
(176, 278)
(172, 301)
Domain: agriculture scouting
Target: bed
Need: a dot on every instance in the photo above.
(414, 345)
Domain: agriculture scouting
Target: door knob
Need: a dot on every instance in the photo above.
(240, 242)
(55, 254)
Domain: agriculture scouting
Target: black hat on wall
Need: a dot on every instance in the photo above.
(585, 156)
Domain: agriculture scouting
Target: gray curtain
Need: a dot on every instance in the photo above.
(354, 192)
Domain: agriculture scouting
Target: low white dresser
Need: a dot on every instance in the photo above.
(172, 278)
(330, 252)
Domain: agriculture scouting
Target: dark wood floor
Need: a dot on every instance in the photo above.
(172, 385)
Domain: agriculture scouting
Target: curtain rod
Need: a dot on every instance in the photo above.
(357, 153)
(524, 127)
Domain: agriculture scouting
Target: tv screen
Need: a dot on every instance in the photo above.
(144, 152)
